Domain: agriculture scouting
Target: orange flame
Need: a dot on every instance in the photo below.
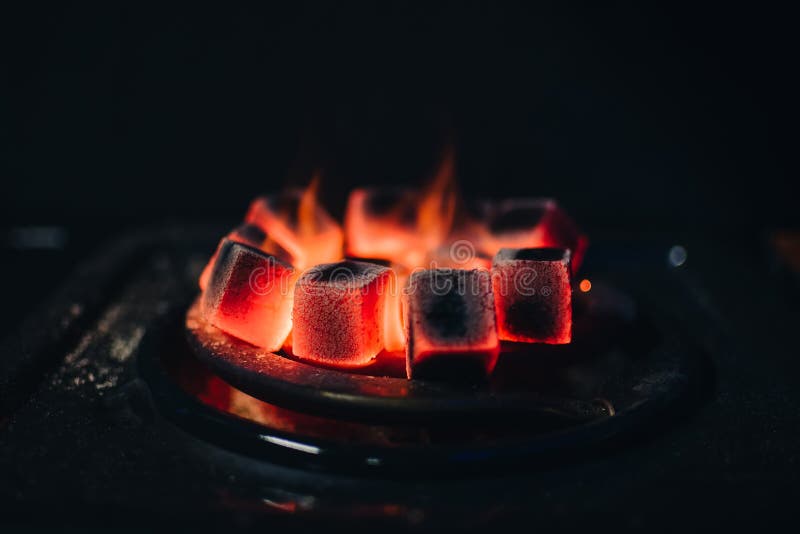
(394, 335)
(412, 225)
(437, 209)
(410, 229)
(297, 222)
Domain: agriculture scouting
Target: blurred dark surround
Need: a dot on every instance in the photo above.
(656, 118)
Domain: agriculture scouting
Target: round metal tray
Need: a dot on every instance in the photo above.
(624, 373)
(619, 360)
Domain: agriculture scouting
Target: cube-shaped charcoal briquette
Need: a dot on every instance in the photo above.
(381, 222)
(533, 295)
(339, 312)
(533, 223)
(394, 336)
(297, 222)
(450, 325)
(249, 295)
(247, 234)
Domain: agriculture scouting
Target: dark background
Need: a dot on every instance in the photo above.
(653, 118)
(661, 116)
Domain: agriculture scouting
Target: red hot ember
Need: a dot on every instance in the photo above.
(400, 224)
(338, 313)
(533, 295)
(246, 234)
(380, 222)
(249, 295)
(532, 223)
(451, 324)
(297, 222)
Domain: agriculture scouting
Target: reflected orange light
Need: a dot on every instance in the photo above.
(585, 285)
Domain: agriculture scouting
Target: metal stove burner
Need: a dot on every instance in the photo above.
(624, 369)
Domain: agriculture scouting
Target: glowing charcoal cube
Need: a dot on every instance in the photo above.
(394, 336)
(339, 312)
(296, 221)
(533, 296)
(249, 295)
(532, 223)
(451, 325)
(247, 234)
(381, 222)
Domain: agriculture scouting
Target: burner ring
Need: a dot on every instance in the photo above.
(647, 374)
(347, 395)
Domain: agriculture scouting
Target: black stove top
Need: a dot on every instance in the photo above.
(88, 435)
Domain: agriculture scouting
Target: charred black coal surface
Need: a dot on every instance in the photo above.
(447, 316)
(535, 254)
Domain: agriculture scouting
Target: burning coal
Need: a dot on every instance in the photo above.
(413, 273)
